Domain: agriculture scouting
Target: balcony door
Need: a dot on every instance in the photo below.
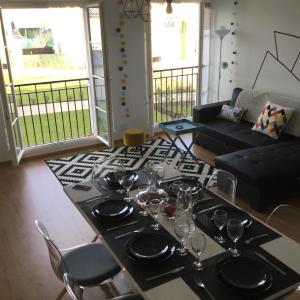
(8, 98)
(100, 105)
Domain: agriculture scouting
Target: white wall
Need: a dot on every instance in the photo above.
(254, 24)
(136, 98)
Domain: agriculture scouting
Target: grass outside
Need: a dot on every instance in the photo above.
(67, 125)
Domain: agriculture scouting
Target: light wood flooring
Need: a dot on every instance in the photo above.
(31, 192)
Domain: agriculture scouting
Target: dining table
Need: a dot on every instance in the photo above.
(174, 277)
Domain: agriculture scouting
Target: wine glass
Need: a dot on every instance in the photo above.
(220, 220)
(176, 185)
(235, 231)
(143, 200)
(127, 182)
(159, 172)
(119, 173)
(154, 209)
(181, 228)
(198, 244)
(183, 198)
(148, 170)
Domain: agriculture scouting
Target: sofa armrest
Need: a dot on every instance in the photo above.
(206, 112)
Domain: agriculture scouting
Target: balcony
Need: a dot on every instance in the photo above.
(174, 93)
(53, 111)
(57, 111)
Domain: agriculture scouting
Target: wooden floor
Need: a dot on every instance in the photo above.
(31, 192)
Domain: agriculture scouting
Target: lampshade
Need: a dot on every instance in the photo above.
(222, 31)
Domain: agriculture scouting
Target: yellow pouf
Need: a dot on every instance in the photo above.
(134, 138)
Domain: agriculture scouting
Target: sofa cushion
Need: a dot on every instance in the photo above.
(264, 166)
(273, 119)
(232, 114)
(235, 93)
(239, 135)
(254, 101)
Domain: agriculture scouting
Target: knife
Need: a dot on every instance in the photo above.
(271, 264)
(121, 226)
(208, 209)
(166, 273)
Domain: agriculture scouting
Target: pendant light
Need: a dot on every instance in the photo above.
(146, 11)
(169, 8)
(131, 9)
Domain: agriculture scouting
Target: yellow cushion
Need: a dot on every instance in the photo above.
(134, 137)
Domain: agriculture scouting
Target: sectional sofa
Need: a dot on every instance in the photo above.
(268, 170)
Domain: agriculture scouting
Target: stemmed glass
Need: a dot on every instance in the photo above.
(220, 220)
(181, 228)
(183, 198)
(119, 173)
(176, 185)
(143, 200)
(148, 170)
(235, 231)
(159, 172)
(198, 244)
(127, 182)
(154, 209)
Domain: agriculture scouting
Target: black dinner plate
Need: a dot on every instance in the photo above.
(233, 213)
(110, 177)
(113, 209)
(149, 247)
(192, 182)
(245, 274)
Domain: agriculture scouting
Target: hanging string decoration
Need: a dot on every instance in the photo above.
(233, 28)
(123, 60)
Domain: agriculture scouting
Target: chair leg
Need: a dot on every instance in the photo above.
(61, 294)
(126, 148)
(141, 150)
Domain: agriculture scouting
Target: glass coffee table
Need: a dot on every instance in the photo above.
(174, 130)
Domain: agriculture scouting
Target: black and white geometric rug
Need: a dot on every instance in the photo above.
(78, 168)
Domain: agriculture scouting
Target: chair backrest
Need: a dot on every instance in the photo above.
(72, 287)
(286, 219)
(55, 256)
(223, 183)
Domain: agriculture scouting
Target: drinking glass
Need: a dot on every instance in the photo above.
(119, 173)
(183, 197)
(127, 182)
(159, 172)
(220, 220)
(176, 185)
(235, 231)
(154, 209)
(143, 200)
(198, 244)
(181, 228)
(148, 170)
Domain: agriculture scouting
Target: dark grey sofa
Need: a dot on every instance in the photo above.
(267, 170)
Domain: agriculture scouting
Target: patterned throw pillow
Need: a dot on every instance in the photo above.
(229, 113)
(273, 119)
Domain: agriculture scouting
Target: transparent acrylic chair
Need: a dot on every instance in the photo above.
(89, 264)
(286, 219)
(76, 293)
(223, 183)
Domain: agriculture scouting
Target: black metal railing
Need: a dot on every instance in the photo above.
(174, 93)
(53, 111)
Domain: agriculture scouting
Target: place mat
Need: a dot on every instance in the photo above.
(222, 291)
(139, 272)
(103, 185)
(204, 222)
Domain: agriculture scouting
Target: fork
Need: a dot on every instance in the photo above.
(254, 238)
(200, 283)
(130, 232)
